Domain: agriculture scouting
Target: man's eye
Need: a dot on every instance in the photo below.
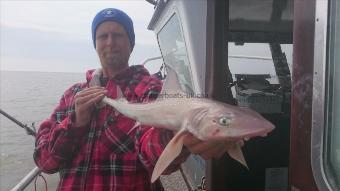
(102, 37)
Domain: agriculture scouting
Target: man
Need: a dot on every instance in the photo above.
(95, 148)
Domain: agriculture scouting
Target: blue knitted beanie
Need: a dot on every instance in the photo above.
(112, 14)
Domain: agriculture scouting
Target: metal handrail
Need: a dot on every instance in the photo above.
(250, 57)
(27, 179)
(151, 59)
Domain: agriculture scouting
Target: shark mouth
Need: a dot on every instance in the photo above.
(241, 135)
(259, 133)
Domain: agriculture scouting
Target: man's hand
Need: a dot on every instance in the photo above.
(85, 101)
(206, 149)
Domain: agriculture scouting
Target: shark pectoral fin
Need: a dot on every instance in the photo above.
(137, 124)
(170, 152)
(235, 152)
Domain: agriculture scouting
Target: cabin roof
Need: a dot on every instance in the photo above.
(257, 21)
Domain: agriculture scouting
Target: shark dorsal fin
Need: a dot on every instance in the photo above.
(171, 84)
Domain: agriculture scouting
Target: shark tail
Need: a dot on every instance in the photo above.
(119, 98)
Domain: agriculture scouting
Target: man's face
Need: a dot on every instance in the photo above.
(112, 45)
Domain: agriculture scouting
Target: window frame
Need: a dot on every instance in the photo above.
(176, 16)
(320, 107)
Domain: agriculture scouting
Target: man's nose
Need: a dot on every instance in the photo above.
(111, 40)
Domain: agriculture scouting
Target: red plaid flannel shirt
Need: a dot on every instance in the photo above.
(108, 154)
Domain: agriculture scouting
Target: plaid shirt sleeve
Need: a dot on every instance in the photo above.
(151, 141)
(57, 138)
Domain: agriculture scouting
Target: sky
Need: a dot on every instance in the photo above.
(55, 35)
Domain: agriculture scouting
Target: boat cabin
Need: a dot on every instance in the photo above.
(278, 57)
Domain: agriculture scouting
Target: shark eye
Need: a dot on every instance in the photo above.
(225, 121)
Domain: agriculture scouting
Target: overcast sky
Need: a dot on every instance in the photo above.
(56, 35)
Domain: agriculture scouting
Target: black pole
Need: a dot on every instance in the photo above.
(218, 77)
(28, 130)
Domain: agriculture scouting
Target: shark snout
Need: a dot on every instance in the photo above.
(241, 130)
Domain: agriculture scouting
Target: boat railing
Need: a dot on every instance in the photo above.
(27, 180)
(151, 59)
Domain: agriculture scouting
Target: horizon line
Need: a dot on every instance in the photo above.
(1, 70)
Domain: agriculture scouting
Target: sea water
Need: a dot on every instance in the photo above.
(30, 97)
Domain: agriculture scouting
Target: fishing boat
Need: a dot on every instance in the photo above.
(302, 153)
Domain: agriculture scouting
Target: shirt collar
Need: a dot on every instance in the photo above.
(121, 77)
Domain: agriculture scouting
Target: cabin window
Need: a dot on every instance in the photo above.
(257, 84)
(174, 52)
(333, 96)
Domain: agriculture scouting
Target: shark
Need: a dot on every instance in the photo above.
(205, 118)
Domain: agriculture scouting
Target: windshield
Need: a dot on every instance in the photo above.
(174, 52)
